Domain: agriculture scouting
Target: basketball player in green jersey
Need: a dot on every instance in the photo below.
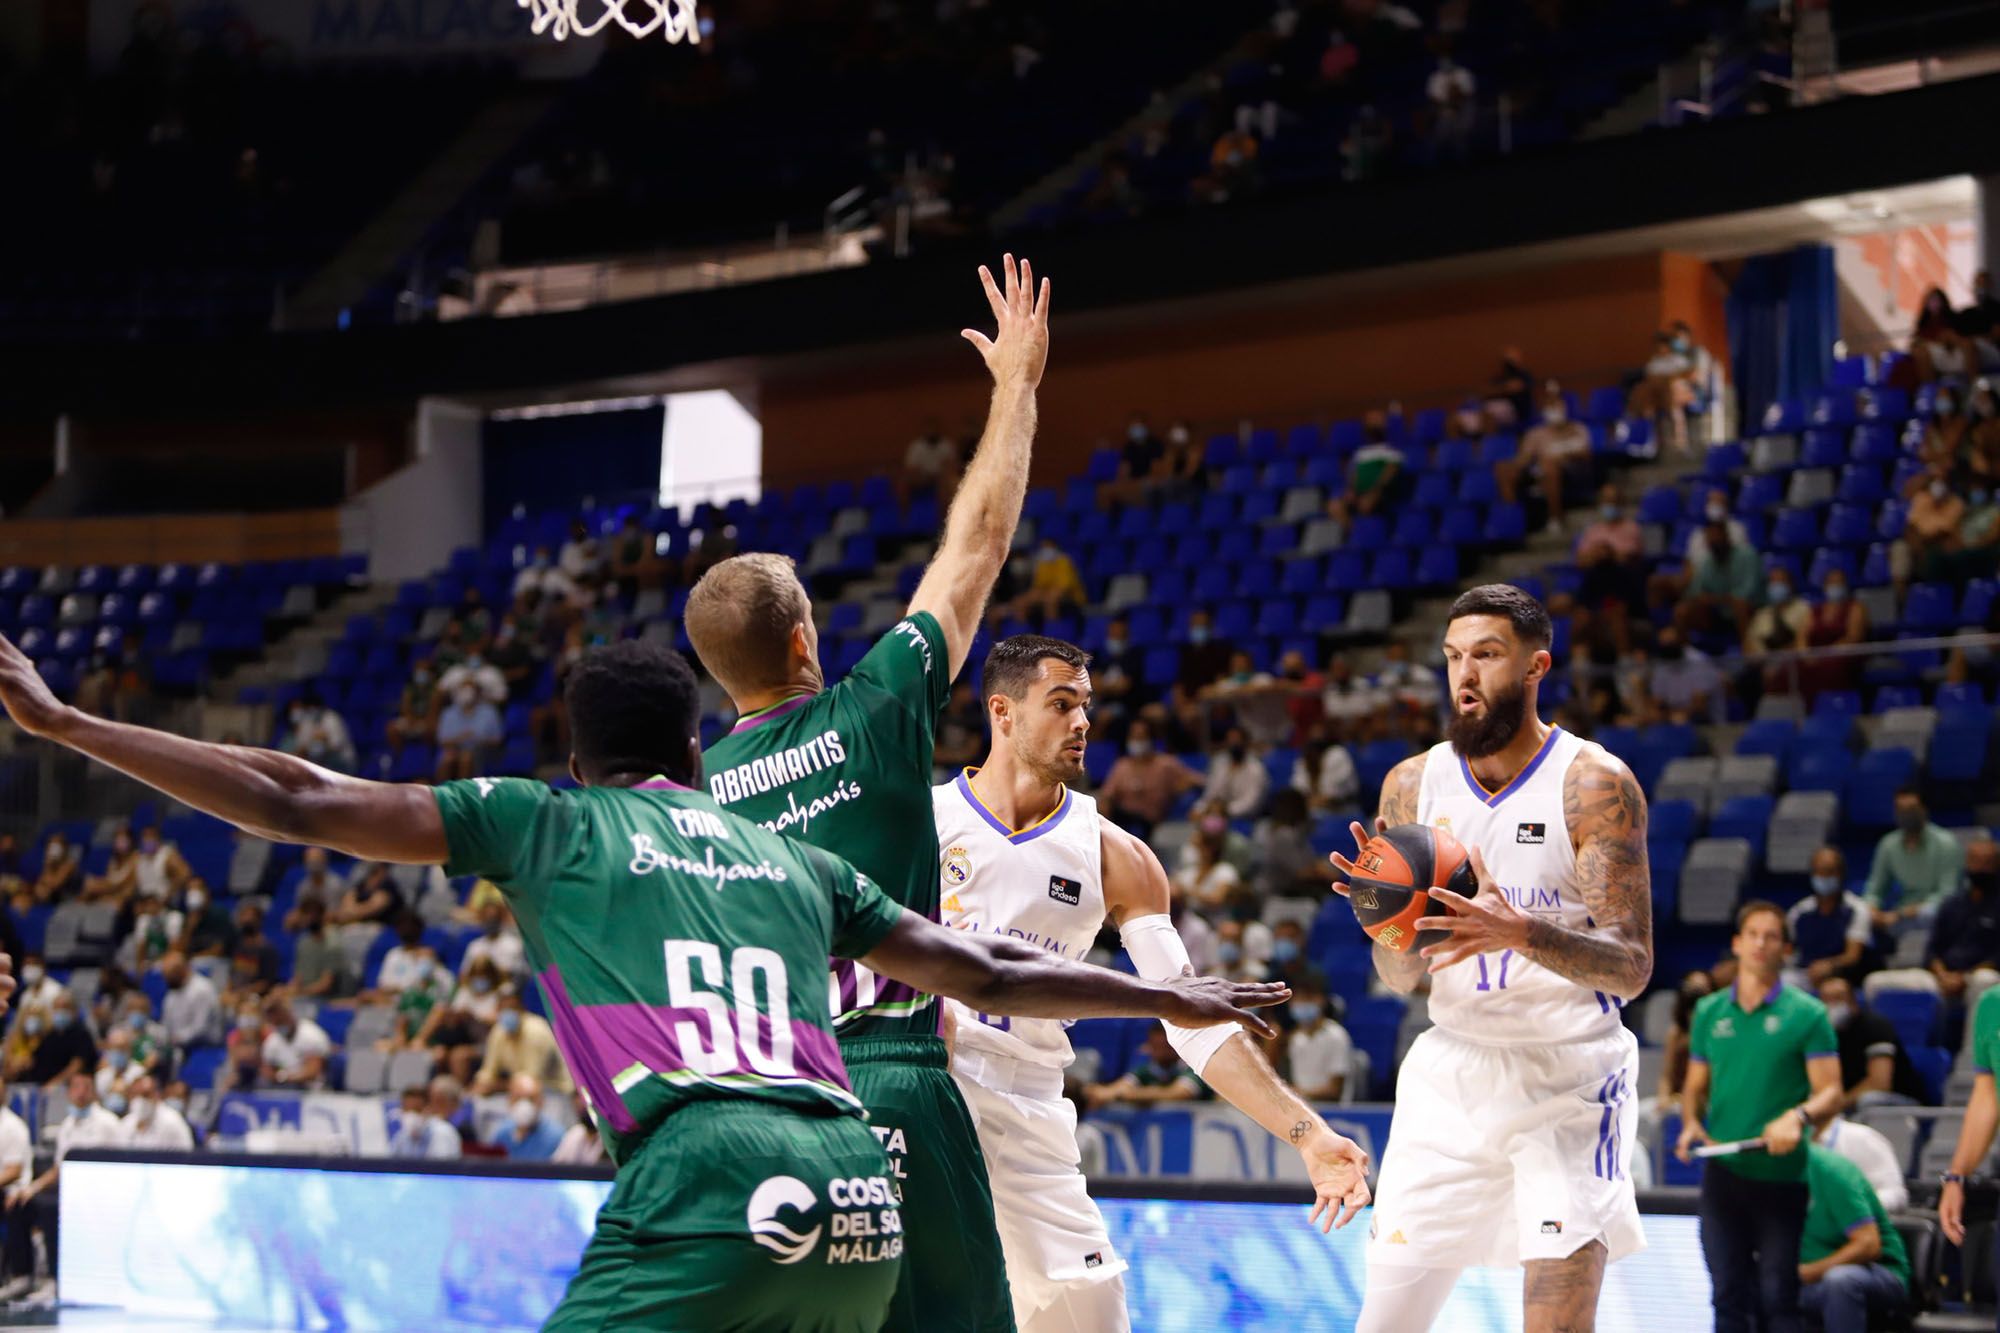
(849, 769)
(681, 951)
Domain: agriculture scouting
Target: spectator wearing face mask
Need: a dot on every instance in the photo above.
(32, 1207)
(121, 873)
(1611, 554)
(117, 1071)
(580, 1144)
(319, 964)
(319, 734)
(1983, 410)
(1203, 661)
(31, 1027)
(468, 730)
(1139, 458)
(421, 1135)
(449, 1104)
(150, 1053)
(372, 901)
(1936, 512)
(477, 673)
(1214, 862)
(1838, 621)
(1346, 698)
(161, 869)
(1288, 953)
(37, 987)
(192, 1011)
(457, 1031)
(529, 1135)
(1556, 452)
(1831, 928)
(67, 1049)
(1324, 773)
(151, 1124)
(253, 963)
(1511, 398)
(206, 928)
(156, 930)
(1875, 1069)
(1666, 387)
(1144, 783)
(1237, 779)
(499, 942)
(295, 1049)
(62, 870)
(1242, 949)
(1683, 681)
(416, 713)
(1778, 626)
(1287, 864)
(408, 963)
(520, 1043)
(1159, 1077)
(1920, 861)
(1375, 475)
(1965, 937)
(1722, 586)
(1320, 1054)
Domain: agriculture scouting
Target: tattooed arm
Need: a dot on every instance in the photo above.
(1400, 972)
(1606, 814)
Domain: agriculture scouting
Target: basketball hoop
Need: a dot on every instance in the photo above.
(675, 19)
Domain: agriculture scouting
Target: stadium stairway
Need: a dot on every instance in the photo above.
(302, 653)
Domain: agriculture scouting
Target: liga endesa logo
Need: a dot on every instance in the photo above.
(765, 1228)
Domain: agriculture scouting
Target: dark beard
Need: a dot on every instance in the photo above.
(1478, 737)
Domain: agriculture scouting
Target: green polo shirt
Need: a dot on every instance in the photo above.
(1841, 1199)
(1929, 871)
(1986, 1033)
(1756, 1062)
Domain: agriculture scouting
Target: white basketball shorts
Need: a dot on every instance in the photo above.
(1502, 1154)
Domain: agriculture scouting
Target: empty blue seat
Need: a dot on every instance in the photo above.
(1973, 608)
(1843, 703)
(1962, 696)
(1784, 417)
(1823, 447)
(1724, 459)
(1391, 569)
(1760, 492)
(1671, 821)
(1898, 696)
(1240, 479)
(1276, 617)
(1747, 817)
(1437, 567)
(1860, 484)
(1834, 407)
(1929, 608)
(1452, 456)
(1221, 452)
(1606, 404)
(1795, 530)
(1478, 487)
(1883, 404)
(1871, 789)
(1660, 504)
(1462, 525)
(1279, 539)
(1912, 1013)
(1414, 528)
(1346, 570)
(1818, 768)
(1497, 449)
(1958, 747)
(1368, 531)
(1506, 525)
(1850, 525)
(1770, 736)
(1429, 426)
(1875, 568)
(1874, 444)
(1302, 577)
(1217, 511)
(1325, 613)
(1433, 491)
(1304, 440)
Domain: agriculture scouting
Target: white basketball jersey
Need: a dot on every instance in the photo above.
(1523, 835)
(1043, 884)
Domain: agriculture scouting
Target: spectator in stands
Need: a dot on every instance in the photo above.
(529, 1135)
(416, 712)
(1693, 989)
(450, 1105)
(1611, 552)
(1115, 675)
(155, 931)
(1346, 697)
(24, 1038)
(243, 1070)
(457, 1031)
(927, 461)
(1325, 774)
(421, 1135)
(319, 964)
(636, 564)
(409, 962)
(161, 870)
(1337, 62)
(1937, 349)
(319, 734)
(1666, 388)
(1237, 779)
(121, 873)
(520, 1043)
(499, 943)
(206, 929)
(295, 1049)
(67, 1049)
(32, 1207)
(1853, 1269)
(150, 1124)
(1144, 783)
(1965, 937)
(1054, 588)
(253, 963)
(477, 673)
(370, 902)
(1510, 399)
(1936, 513)
(1375, 476)
(115, 1072)
(1319, 1052)
(1287, 865)
(62, 870)
(471, 616)
(1207, 875)
(1947, 439)
(150, 1052)
(961, 732)
(1838, 621)
(1181, 476)
(1722, 586)
(1451, 90)
(1923, 862)
(192, 1011)
(1556, 452)
(1875, 1070)
(1364, 151)
(1203, 660)
(318, 882)
(513, 656)
(580, 559)
(546, 579)
(1830, 927)
(1138, 458)
(1160, 1077)
(1683, 681)
(1778, 626)
(11, 879)
(1288, 953)
(17, 1162)
(580, 1144)
(1411, 685)
(468, 730)
(1232, 167)
(1868, 1148)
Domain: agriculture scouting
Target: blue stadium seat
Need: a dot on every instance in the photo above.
(1368, 531)
(1929, 608)
(1747, 817)
(1304, 440)
(1874, 444)
(1429, 426)
(1437, 567)
(1818, 768)
(1347, 570)
(1221, 452)
(1606, 404)
(1875, 569)
(1478, 487)
(1883, 404)
(1724, 459)
(1324, 613)
(1871, 790)
(1962, 695)
(1795, 530)
(1452, 456)
(1958, 747)
(1217, 511)
(1770, 736)
(1845, 703)
(1346, 436)
(1672, 821)
(1275, 618)
(1823, 446)
(1759, 493)
(1897, 696)
(1827, 561)
(1933, 1066)
(1506, 525)
(1913, 1013)
(1240, 479)
(1302, 577)
(1787, 416)
(1462, 525)
(1414, 529)
(1373, 761)
(1660, 504)
(1433, 491)
(1391, 569)
(1860, 484)
(1973, 608)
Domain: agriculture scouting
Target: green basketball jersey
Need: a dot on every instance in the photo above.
(681, 950)
(849, 769)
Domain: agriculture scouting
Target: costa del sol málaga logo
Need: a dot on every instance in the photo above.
(765, 1228)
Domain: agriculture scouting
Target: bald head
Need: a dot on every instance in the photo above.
(751, 622)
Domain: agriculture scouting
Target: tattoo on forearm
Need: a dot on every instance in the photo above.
(1606, 813)
(1401, 972)
(1299, 1132)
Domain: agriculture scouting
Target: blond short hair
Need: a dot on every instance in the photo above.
(740, 618)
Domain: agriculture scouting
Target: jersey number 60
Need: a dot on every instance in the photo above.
(746, 1035)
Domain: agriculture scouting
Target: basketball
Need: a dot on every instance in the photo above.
(1395, 870)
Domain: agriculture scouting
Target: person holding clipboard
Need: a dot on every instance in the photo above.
(1763, 1072)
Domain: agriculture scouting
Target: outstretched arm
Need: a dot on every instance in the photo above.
(1137, 895)
(997, 974)
(979, 530)
(1606, 813)
(1400, 972)
(273, 795)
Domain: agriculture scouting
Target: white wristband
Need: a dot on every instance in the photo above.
(1159, 953)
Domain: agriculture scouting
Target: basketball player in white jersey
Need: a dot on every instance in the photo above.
(1021, 853)
(1515, 1114)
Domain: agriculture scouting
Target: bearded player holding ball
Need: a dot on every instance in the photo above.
(1514, 1114)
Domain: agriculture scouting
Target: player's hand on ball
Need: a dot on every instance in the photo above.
(1016, 353)
(1346, 866)
(1484, 923)
(1691, 1134)
(1204, 1002)
(1338, 1169)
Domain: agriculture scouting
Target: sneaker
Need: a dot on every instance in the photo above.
(45, 1294)
(17, 1288)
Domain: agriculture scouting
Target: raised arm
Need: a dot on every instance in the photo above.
(1137, 896)
(273, 795)
(979, 530)
(998, 974)
(1400, 972)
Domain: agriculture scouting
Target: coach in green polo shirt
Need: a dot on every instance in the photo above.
(1982, 1115)
(1851, 1260)
(1763, 1064)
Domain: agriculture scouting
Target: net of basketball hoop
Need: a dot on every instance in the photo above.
(674, 19)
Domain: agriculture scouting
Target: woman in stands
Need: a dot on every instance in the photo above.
(120, 877)
(1839, 620)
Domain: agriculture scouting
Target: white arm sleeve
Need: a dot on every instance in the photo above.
(1158, 953)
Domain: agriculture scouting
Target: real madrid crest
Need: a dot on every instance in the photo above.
(1444, 822)
(956, 866)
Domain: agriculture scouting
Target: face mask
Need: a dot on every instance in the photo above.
(249, 1018)
(422, 677)
(1939, 490)
(1197, 634)
(78, 1112)
(1229, 953)
(115, 1103)
(1943, 406)
(1836, 592)
(142, 1107)
(62, 1018)
(196, 900)
(137, 1022)
(415, 1121)
(480, 985)
(1910, 821)
(510, 1021)
(32, 1026)
(117, 1059)
(1717, 511)
(1826, 885)
(1778, 592)
(524, 1114)
(1135, 432)
(1178, 435)
(1214, 826)
(1304, 1011)
(32, 974)
(1285, 951)
(1114, 646)
(1609, 513)
(1838, 1014)
(1555, 414)
(178, 1105)
(1138, 749)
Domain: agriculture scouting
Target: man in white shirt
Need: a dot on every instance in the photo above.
(1320, 1051)
(1869, 1149)
(1450, 89)
(498, 940)
(192, 1011)
(419, 1134)
(295, 1049)
(479, 673)
(410, 963)
(1236, 777)
(38, 989)
(32, 1206)
(925, 461)
(151, 1124)
(17, 1146)
(116, 1073)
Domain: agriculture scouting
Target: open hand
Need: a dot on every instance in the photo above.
(1484, 923)
(1339, 1172)
(1204, 1002)
(1018, 350)
(26, 696)
(1361, 837)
